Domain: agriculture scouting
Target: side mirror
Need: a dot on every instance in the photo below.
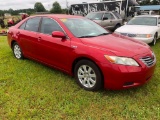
(58, 34)
(105, 18)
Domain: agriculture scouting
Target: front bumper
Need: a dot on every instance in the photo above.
(118, 77)
(146, 40)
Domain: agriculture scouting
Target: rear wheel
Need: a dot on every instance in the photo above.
(88, 75)
(17, 51)
(154, 40)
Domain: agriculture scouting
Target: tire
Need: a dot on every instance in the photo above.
(154, 40)
(117, 26)
(88, 75)
(17, 51)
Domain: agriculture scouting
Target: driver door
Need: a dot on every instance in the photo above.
(53, 51)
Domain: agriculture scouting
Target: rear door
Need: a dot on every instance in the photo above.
(27, 35)
(51, 50)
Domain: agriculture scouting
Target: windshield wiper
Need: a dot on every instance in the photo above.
(103, 34)
(86, 36)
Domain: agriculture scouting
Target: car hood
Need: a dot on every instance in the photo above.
(137, 29)
(118, 45)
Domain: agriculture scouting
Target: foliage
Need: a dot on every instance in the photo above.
(39, 7)
(16, 12)
(56, 8)
(29, 90)
(148, 2)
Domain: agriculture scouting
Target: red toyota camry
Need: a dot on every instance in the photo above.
(80, 47)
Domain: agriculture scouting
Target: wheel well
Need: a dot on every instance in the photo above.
(13, 41)
(156, 34)
(84, 58)
(118, 24)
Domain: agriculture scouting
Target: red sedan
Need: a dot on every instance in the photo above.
(82, 48)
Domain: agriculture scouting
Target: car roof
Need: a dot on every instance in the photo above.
(59, 16)
(148, 16)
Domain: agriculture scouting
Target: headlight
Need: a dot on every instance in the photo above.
(144, 35)
(121, 60)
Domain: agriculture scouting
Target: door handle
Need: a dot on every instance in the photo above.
(39, 38)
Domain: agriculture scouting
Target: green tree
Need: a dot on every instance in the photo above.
(155, 2)
(56, 8)
(38, 7)
(148, 2)
(145, 2)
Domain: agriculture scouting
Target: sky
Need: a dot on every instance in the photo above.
(23, 4)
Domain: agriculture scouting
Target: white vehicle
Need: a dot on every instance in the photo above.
(145, 28)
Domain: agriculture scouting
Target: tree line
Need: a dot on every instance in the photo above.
(38, 7)
(149, 2)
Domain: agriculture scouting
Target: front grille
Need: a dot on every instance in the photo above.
(125, 34)
(131, 35)
(149, 61)
(128, 34)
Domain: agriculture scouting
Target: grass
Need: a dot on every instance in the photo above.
(29, 90)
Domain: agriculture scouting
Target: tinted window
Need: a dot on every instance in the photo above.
(49, 25)
(108, 15)
(22, 26)
(33, 24)
(158, 20)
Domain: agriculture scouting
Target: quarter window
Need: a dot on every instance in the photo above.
(22, 27)
(33, 24)
(158, 20)
(49, 25)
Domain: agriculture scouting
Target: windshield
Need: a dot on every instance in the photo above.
(149, 21)
(94, 16)
(117, 15)
(82, 27)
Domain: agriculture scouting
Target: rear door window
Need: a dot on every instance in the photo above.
(159, 20)
(33, 24)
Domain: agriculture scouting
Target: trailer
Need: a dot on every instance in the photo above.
(126, 8)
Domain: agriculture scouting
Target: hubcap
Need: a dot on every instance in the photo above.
(86, 76)
(17, 51)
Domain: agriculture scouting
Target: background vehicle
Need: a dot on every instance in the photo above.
(126, 8)
(145, 28)
(108, 20)
(95, 57)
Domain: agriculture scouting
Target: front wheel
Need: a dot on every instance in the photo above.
(117, 26)
(88, 75)
(17, 51)
(154, 40)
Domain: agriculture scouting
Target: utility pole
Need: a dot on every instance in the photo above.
(67, 7)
